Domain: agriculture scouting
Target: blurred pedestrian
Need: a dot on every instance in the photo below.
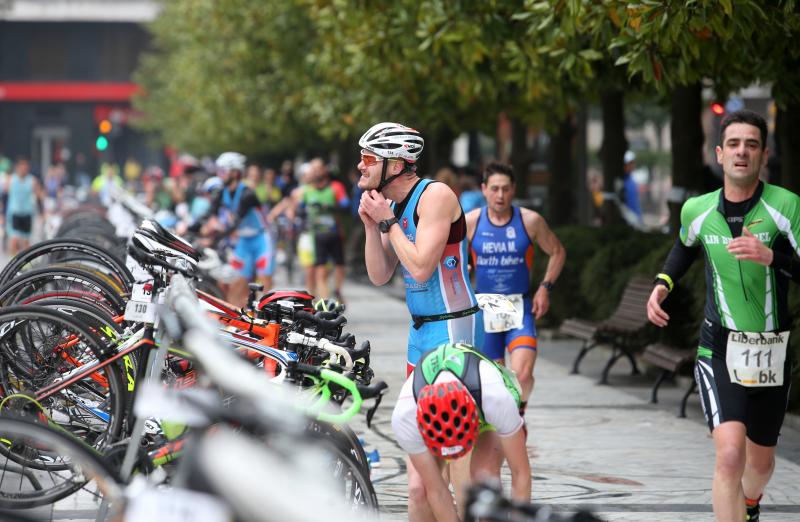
(630, 187)
(471, 196)
(24, 201)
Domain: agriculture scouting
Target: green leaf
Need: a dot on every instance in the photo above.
(727, 7)
(591, 54)
(622, 60)
(522, 16)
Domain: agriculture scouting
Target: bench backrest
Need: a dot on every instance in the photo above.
(631, 312)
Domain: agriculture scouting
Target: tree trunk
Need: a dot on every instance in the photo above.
(788, 136)
(437, 152)
(347, 157)
(519, 155)
(583, 200)
(613, 149)
(561, 197)
(687, 148)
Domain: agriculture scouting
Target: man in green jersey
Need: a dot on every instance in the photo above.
(748, 232)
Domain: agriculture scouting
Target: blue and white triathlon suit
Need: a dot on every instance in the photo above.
(446, 292)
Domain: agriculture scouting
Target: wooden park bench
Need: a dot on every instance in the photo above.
(671, 360)
(626, 330)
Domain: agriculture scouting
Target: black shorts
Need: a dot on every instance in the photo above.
(328, 246)
(760, 409)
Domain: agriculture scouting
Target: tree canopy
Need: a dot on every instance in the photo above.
(267, 76)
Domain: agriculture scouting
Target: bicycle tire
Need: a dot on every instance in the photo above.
(33, 356)
(86, 284)
(358, 487)
(83, 468)
(345, 439)
(102, 325)
(73, 250)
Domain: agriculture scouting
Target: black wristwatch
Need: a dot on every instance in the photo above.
(386, 224)
(547, 284)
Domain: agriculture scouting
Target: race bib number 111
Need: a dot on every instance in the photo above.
(757, 359)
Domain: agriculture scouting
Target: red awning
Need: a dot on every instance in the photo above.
(66, 91)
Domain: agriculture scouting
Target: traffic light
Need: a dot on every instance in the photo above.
(717, 108)
(105, 126)
(101, 143)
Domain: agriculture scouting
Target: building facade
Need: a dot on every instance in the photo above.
(65, 67)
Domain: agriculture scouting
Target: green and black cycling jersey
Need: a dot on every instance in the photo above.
(463, 362)
(741, 295)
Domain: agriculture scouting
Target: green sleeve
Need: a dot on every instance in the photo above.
(688, 238)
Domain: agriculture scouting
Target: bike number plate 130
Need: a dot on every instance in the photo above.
(140, 312)
(756, 359)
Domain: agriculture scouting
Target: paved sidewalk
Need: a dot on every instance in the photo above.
(603, 447)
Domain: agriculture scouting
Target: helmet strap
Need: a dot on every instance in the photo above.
(407, 167)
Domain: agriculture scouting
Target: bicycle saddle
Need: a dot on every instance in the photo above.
(145, 250)
(154, 230)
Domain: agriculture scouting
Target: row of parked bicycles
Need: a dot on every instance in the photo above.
(113, 375)
(126, 382)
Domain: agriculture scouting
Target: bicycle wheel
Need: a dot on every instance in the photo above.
(62, 282)
(40, 465)
(345, 439)
(42, 350)
(67, 252)
(101, 325)
(354, 484)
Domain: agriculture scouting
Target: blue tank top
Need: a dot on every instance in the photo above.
(502, 255)
(448, 289)
(20, 196)
(252, 223)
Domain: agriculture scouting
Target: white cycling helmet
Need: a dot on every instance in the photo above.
(393, 140)
(228, 161)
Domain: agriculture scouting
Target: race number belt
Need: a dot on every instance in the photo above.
(419, 320)
(756, 359)
(501, 313)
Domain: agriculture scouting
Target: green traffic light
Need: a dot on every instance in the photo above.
(101, 143)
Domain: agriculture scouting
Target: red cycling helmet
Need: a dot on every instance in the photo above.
(447, 419)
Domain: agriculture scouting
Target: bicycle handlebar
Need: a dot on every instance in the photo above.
(358, 393)
(323, 325)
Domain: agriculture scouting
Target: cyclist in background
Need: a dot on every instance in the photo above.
(323, 199)
(290, 207)
(239, 214)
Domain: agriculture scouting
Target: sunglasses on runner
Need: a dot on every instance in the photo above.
(369, 159)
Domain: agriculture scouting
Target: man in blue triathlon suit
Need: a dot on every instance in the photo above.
(502, 239)
(748, 233)
(425, 231)
(239, 211)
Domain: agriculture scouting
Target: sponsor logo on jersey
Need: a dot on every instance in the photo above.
(405, 223)
(511, 233)
(451, 262)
